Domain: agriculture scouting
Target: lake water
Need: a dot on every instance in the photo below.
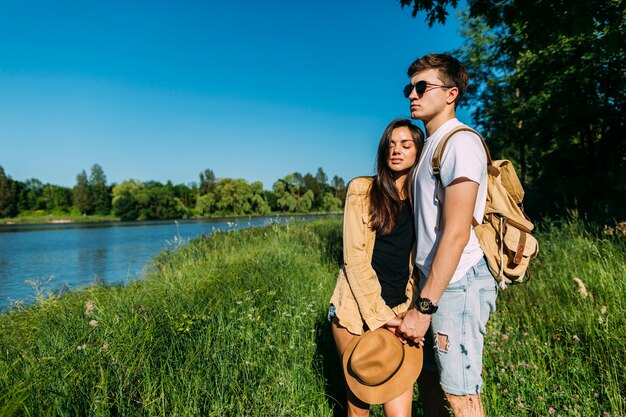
(59, 256)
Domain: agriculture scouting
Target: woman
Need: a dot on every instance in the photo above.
(375, 285)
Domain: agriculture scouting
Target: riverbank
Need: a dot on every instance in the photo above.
(234, 324)
(69, 219)
(56, 219)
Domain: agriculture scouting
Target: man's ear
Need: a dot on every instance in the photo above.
(453, 93)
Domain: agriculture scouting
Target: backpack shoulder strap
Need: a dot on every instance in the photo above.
(441, 146)
(436, 165)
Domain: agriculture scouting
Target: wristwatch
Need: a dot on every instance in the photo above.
(425, 306)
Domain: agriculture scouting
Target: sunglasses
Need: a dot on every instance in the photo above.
(420, 88)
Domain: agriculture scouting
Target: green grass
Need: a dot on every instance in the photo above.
(234, 325)
(550, 349)
(57, 218)
(41, 217)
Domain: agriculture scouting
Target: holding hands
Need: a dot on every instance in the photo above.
(414, 326)
(409, 326)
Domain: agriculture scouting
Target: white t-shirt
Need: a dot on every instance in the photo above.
(464, 156)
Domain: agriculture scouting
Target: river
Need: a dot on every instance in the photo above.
(52, 257)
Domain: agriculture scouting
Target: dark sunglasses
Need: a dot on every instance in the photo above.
(420, 88)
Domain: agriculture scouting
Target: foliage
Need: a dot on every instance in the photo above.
(206, 204)
(330, 203)
(125, 204)
(235, 324)
(549, 92)
(258, 202)
(135, 200)
(81, 194)
(305, 202)
(436, 10)
(58, 199)
(339, 187)
(31, 195)
(8, 195)
(100, 197)
(207, 181)
(286, 197)
(298, 193)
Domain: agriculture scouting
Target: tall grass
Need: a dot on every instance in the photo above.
(228, 325)
(557, 345)
(234, 325)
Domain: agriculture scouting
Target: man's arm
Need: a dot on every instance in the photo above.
(458, 210)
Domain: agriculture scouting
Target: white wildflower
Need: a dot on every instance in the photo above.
(582, 290)
(89, 307)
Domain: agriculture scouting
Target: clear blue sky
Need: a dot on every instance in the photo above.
(162, 90)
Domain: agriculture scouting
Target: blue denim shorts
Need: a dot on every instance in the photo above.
(454, 342)
(332, 312)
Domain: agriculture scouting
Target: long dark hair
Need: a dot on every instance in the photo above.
(385, 202)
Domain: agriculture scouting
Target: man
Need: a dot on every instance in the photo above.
(457, 291)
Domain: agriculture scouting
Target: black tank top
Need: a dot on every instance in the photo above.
(391, 257)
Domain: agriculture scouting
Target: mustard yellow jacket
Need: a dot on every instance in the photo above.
(357, 296)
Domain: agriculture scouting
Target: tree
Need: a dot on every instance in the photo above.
(206, 204)
(339, 186)
(162, 202)
(295, 183)
(549, 92)
(233, 196)
(436, 10)
(101, 200)
(31, 195)
(125, 202)
(258, 202)
(186, 194)
(285, 200)
(311, 183)
(330, 203)
(272, 200)
(321, 177)
(8, 195)
(57, 198)
(207, 181)
(305, 202)
(81, 194)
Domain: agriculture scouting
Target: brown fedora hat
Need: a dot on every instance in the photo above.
(378, 367)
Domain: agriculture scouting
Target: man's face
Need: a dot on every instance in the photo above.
(433, 101)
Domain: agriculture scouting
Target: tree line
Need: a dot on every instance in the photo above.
(136, 200)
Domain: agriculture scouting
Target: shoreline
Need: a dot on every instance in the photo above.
(43, 220)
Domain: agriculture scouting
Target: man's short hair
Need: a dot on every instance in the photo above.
(451, 71)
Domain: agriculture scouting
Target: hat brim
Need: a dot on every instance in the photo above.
(403, 379)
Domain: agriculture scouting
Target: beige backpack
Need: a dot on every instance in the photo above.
(505, 232)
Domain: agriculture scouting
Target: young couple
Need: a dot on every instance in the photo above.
(388, 320)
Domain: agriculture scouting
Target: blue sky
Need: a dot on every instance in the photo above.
(163, 90)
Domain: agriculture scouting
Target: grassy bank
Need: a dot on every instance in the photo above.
(54, 218)
(234, 324)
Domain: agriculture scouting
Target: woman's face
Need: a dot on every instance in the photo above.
(402, 151)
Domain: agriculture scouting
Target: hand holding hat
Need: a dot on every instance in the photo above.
(378, 367)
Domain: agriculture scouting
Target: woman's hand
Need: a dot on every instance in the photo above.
(394, 324)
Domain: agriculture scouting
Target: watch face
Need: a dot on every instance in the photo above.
(424, 305)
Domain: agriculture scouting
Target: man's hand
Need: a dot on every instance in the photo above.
(414, 326)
